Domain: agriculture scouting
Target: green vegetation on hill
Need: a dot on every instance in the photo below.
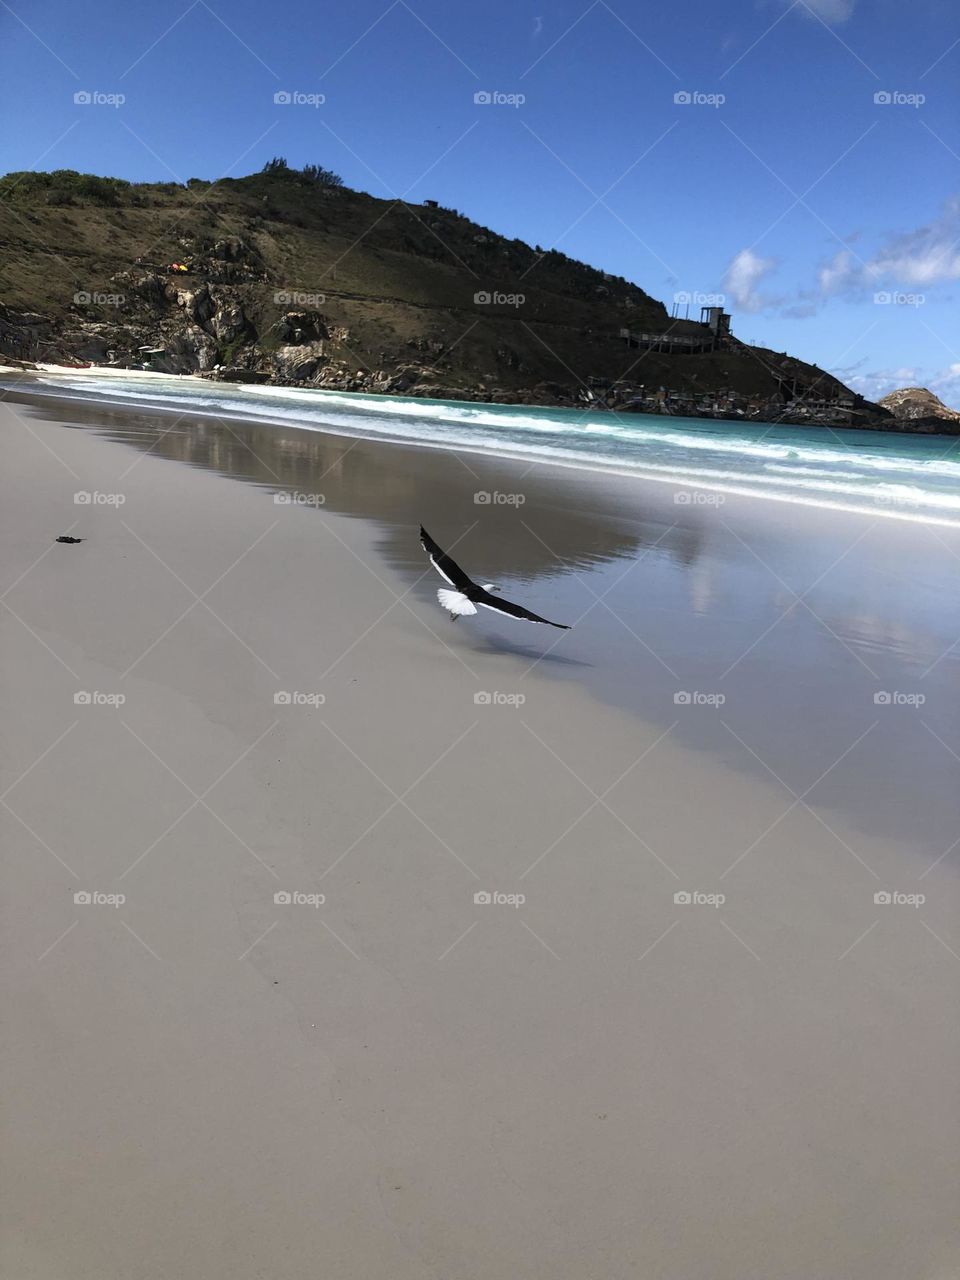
(292, 277)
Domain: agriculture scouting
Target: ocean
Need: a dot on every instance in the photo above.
(892, 475)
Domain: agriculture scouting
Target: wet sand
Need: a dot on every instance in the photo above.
(756, 703)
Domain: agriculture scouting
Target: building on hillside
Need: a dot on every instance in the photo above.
(685, 337)
(673, 342)
(717, 321)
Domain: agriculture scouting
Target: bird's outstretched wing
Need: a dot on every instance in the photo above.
(487, 601)
(444, 565)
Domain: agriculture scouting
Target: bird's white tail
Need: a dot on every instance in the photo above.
(456, 602)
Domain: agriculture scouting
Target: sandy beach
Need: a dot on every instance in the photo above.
(704, 1028)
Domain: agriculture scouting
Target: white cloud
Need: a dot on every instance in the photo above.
(879, 382)
(926, 256)
(835, 11)
(944, 383)
(909, 261)
(833, 275)
(840, 274)
(743, 275)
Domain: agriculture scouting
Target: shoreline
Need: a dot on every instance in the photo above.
(896, 426)
(673, 476)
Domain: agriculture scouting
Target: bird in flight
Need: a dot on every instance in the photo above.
(466, 594)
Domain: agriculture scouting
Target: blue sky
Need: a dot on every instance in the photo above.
(782, 183)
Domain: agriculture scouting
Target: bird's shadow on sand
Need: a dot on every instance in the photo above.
(498, 644)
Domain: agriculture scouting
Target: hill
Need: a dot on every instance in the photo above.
(289, 277)
(917, 409)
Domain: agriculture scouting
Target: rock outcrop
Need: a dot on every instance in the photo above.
(920, 409)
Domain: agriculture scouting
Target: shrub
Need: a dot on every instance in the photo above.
(318, 176)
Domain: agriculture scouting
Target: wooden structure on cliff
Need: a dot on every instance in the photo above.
(711, 334)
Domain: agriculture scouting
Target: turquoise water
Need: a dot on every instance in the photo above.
(890, 475)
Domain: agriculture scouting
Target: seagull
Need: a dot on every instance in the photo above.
(465, 597)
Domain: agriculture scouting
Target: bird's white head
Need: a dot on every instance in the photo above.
(489, 586)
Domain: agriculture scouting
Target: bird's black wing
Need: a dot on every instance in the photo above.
(488, 601)
(444, 565)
